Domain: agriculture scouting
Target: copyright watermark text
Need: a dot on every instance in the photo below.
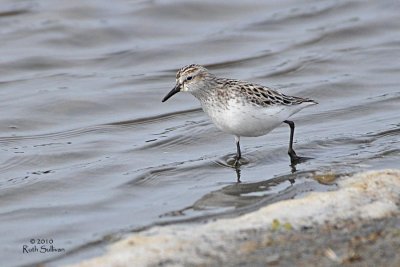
(41, 245)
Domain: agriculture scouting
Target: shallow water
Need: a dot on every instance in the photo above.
(89, 152)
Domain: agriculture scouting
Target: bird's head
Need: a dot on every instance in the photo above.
(188, 79)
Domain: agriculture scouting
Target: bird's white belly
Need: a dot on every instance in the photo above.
(249, 120)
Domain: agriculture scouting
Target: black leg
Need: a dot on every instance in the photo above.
(293, 157)
(238, 153)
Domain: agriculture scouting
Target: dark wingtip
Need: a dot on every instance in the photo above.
(311, 101)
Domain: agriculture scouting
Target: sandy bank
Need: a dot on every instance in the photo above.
(355, 210)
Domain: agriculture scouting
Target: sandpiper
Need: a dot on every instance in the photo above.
(240, 108)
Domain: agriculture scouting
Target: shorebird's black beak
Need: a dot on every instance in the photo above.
(176, 89)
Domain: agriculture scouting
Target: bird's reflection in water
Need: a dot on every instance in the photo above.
(292, 165)
(238, 174)
(240, 195)
(237, 170)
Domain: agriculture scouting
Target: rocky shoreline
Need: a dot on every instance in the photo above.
(356, 225)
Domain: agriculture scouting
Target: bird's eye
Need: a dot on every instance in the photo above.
(189, 78)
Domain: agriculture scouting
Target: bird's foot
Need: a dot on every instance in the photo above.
(294, 159)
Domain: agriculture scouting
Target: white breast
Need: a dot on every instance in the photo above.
(250, 120)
